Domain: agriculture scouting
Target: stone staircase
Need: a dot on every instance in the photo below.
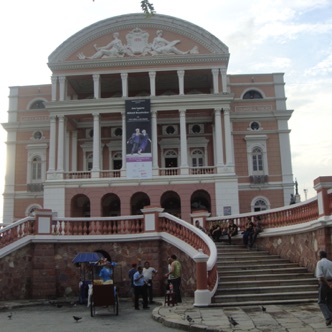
(254, 277)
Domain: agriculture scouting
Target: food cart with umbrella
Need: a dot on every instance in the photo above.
(101, 291)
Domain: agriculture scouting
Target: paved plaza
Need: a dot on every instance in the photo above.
(40, 316)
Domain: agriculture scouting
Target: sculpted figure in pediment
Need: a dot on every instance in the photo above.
(162, 46)
(113, 49)
(137, 44)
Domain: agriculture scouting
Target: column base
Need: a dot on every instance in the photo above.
(202, 298)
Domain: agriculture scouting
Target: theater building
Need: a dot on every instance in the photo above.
(143, 112)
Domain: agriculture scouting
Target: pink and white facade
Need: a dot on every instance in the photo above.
(217, 142)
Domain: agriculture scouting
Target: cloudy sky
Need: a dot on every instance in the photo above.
(263, 36)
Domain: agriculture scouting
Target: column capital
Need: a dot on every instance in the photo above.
(223, 70)
(62, 79)
(181, 73)
(152, 74)
(96, 76)
(124, 75)
(215, 71)
(182, 111)
(54, 79)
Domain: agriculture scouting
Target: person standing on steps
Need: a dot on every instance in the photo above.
(324, 276)
(174, 276)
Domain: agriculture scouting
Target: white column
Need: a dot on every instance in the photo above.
(154, 141)
(152, 75)
(96, 86)
(124, 78)
(181, 81)
(215, 75)
(74, 151)
(54, 80)
(183, 139)
(219, 150)
(223, 72)
(51, 161)
(96, 146)
(62, 80)
(228, 138)
(60, 143)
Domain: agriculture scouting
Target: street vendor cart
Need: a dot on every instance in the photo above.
(103, 293)
(99, 289)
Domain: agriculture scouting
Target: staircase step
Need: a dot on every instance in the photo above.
(262, 276)
(254, 265)
(271, 270)
(267, 282)
(262, 302)
(254, 277)
(234, 291)
(265, 296)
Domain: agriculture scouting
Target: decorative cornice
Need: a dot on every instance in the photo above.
(112, 63)
(132, 21)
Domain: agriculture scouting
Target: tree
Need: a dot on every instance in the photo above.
(147, 7)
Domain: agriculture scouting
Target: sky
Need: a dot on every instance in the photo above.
(263, 36)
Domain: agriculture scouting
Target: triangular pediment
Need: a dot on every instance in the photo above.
(135, 36)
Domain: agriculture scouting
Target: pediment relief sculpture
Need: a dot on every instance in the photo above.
(137, 45)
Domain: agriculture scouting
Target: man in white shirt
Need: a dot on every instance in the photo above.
(324, 276)
(149, 272)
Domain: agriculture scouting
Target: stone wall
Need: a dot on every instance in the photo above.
(46, 270)
(302, 248)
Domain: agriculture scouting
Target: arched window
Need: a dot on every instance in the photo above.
(197, 158)
(260, 205)
(36, 169)
(252, 94)
(38, 104)
(257, 160)
(171, 159)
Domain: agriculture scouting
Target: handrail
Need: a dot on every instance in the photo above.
(195, 238)
(273, 218)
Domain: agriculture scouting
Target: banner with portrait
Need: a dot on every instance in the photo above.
(138, 139)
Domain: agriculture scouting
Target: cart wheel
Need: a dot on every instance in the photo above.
(116, 305)
(93, 308)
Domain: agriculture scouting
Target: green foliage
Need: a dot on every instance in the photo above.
(147, 7)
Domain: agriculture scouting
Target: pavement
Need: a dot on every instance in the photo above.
(58, 315)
